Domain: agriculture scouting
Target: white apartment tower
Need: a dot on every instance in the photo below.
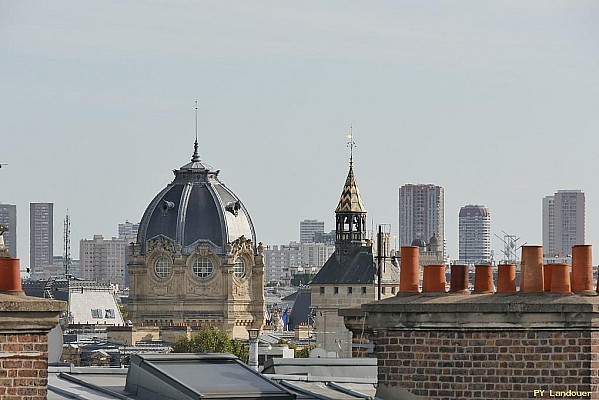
(563, 222)
(309, 228)
(8, 218)
(421, 213)
(475, 234)
(41, 238)
(103, 260)
(128, 230)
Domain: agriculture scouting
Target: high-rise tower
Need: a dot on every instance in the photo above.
(563, 222)
(8, 218)
(421, 214)
(41, 238)
(475, 234)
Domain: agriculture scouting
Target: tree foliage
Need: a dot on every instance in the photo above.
(211, 340)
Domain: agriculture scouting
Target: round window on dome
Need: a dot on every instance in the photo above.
(239, 268)
(162, 267)
(202, 267)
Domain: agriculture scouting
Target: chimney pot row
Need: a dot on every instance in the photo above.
(534, 276)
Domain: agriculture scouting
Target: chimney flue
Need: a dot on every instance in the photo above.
(531, 272)
(560, 278)
(582, 269)
(459, 279)
(409, 269)
(483, 278)
(506, 278)
(433, 280)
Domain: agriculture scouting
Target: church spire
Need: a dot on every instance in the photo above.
(350, 200)
(195, 157)
(350, 214)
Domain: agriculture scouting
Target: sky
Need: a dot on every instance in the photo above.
(496, 101)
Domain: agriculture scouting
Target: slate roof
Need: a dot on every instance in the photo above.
(360, 269)
(350, 200)
(301, 308)
(196, 206)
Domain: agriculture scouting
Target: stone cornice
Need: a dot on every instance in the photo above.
(23, 313)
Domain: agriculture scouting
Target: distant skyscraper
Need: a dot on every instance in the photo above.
(103, 260)
(421, 213)
(41, 239)
(8, 218)
(128, 230)
(563, 221)
(309, 228)
(475, 234)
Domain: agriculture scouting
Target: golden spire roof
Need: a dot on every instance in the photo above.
(350, 200)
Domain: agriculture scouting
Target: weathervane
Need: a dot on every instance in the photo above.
(351, 144)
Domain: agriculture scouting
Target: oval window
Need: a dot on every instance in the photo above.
(239, 268)
(162, 267)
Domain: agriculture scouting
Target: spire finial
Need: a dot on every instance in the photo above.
(351, 144)
(196, 157)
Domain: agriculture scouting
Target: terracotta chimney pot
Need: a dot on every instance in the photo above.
(409, 271)
(560, 278)
(483, 279)
(531, 273)
(547, 277)
(506, 278)
(459, 279)
(10, 276)
(433, 280)
(582, 269)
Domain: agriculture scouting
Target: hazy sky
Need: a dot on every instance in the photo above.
(498, 102)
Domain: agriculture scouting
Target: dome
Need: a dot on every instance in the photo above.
(196, 207)
(433, 241)
(418, 242)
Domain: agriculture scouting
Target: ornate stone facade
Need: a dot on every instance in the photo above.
(193, 263)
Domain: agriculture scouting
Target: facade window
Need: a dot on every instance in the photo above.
(97, 313)
(109, 313)
(322, 290)
(202, 267)
(383, 290)
(162, 267)
(393, 290)
(350, 290)
(336, 290)
(239, 268)
(363, 289)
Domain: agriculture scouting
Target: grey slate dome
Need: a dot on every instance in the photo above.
(196, 207)
(419, 242)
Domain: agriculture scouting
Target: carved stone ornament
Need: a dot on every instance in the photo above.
(242, 244)
(162, 245)
(203, 249)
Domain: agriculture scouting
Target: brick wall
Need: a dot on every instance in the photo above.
(23, 366)
(483, 346)
(489, 365)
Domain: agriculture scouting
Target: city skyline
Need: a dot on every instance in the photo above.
(472, 96)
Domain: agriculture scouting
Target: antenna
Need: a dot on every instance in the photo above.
(510, 247)
(66, 255)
